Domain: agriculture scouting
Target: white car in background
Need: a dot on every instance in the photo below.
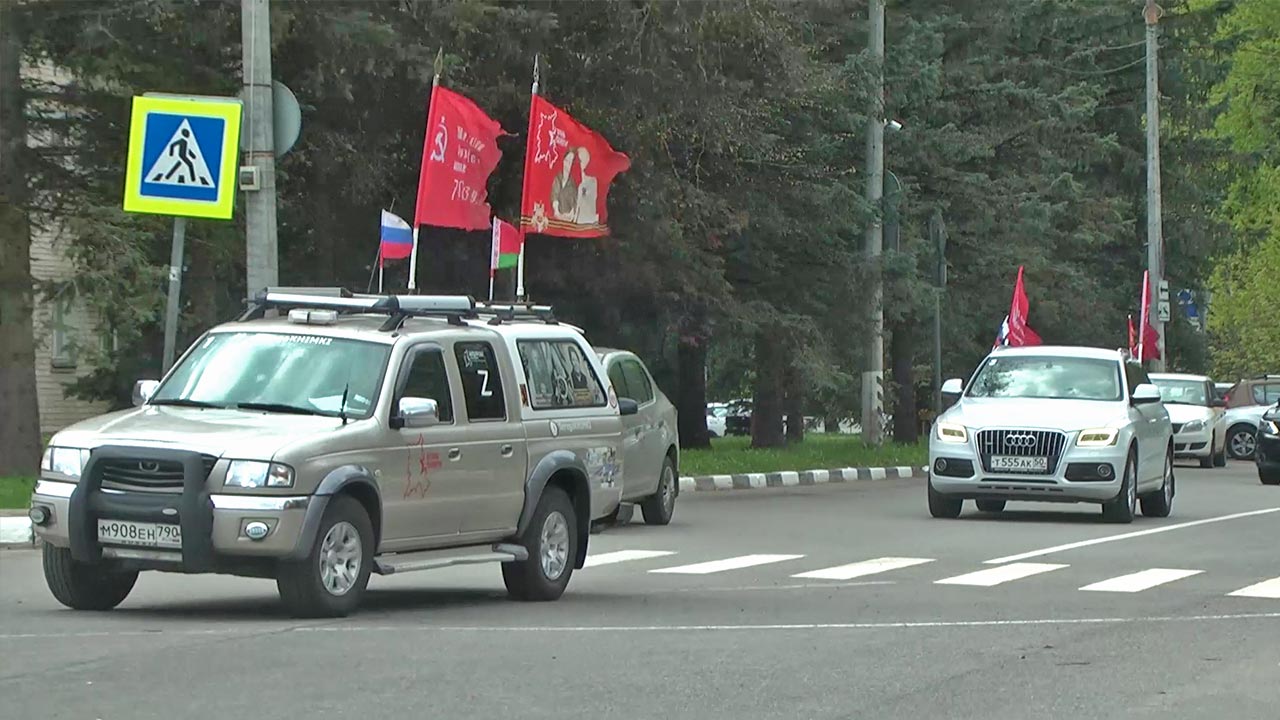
(1242, 430)
(1198, 417)
(716, 413)
(650, 438)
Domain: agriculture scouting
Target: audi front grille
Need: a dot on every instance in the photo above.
(1022, 443)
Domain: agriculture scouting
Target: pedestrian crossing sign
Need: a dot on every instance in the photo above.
(182, 156)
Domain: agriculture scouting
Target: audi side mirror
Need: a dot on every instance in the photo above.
(1145, 394)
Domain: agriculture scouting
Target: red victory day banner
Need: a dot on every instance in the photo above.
(568, 168)
(458, 155)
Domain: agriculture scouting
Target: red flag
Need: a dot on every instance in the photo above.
(1015, 332)
(458, 155)
(568, 168)
(507, 241)
(1149, 345)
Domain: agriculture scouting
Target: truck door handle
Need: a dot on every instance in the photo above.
(506, 451)
(455, 453)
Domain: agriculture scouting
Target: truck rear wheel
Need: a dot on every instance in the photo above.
(82, 586)
(552, 542)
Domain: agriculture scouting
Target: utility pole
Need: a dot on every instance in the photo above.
(262, 263)
(1155, 233)
(938, 233)
(873, 376)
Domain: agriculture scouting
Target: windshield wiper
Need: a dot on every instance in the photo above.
(280, 408)
(184, 402)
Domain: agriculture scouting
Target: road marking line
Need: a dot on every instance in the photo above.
(904, 625)
(733, 563)
(1126, 536)
(1139, 581)
(999, 575)
(862, 569)
(610, 558)
(1265, 589)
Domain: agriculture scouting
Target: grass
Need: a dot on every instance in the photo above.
(15, 493)
(733, 455)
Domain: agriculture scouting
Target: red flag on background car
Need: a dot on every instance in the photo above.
(1014, 331)
(1149, 345)
(568, 168)
(458, 155)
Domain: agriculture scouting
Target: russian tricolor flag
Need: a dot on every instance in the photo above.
(396, 236)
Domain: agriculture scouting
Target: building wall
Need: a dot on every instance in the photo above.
(63, 327)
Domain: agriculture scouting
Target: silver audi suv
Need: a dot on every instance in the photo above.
(1053, 424)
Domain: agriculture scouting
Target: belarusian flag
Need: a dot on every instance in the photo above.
(507, 242)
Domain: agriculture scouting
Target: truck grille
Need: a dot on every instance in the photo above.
(1022, 443)
(148, 475)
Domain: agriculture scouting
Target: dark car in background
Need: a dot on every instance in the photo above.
(738, 421)
(1267, 453)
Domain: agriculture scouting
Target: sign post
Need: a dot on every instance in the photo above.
(182, 162)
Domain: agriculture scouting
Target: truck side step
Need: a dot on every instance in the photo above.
(431, 559)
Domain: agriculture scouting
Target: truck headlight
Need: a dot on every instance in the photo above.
(65, 461)
(952, 433)
(258, 474)
(1193, 426)
(1098, 437)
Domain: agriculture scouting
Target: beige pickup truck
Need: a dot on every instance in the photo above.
(324, 436)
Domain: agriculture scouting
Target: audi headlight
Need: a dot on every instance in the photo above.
(952, 433)
(1193, 426)
(257, 474)
(65, 461)
(1098, 437)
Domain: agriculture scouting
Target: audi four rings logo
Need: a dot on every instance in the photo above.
(1021, 441)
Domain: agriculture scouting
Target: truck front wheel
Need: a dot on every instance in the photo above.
(84, 586)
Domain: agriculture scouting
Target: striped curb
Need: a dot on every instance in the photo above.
(15, 531)
(755, 481)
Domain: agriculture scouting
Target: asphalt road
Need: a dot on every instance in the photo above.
(802, 634)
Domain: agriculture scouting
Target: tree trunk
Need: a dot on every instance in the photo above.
(19, 403)
(795, 406)
(766, 411)
(691, 391)
(902, 346)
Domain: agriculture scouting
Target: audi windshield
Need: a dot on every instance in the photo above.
(1048, 378)
(278, 372)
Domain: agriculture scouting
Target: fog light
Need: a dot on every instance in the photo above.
(39, 515)
(1104, 471)
(256, 530)
(940, 465)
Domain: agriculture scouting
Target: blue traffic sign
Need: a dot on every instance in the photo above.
(182, 156)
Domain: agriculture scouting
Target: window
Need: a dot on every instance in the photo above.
(641, 390)
(64, 346)
(307, 373)
(1183, 392)
(1049, 378)
(481, 381)
(619, 380)
(428, 378)
(1135, 376)
(1266, 394)
(559, 375)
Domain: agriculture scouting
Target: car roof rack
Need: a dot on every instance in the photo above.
(499, 313)
(397, 308)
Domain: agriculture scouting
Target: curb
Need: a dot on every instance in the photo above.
(15, 529)
(755, 481)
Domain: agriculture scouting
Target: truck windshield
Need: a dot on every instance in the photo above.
(1057, 378)
(278, 372)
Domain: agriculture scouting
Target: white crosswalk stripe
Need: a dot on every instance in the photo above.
(862, 569)
(733, 563)
(1139, 581)
(1000, 575)
(610, 558)
(1266, 589)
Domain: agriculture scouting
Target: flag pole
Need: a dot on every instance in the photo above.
(493, 253)
(524, 187)
(1142, 331)
(413, 254)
